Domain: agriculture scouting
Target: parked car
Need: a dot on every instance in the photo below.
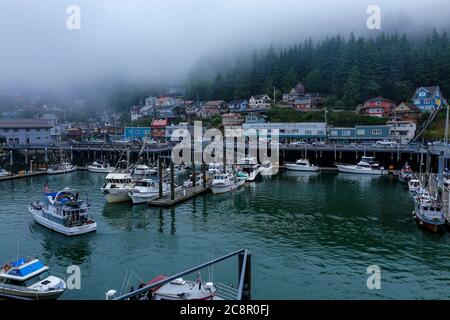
(299, 144)
(385, 143)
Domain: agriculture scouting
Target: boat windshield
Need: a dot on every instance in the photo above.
(37, 278)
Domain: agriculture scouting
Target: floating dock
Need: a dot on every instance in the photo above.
(23, 175)
(180, 196)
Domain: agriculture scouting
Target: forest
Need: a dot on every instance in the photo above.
(346, 70)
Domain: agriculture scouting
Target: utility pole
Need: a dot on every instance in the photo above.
(446, 127)
(274, 96)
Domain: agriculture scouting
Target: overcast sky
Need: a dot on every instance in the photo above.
(145, 40)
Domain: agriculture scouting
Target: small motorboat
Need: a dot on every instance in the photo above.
(367, 165)
(29, 279)
(179, 289)
(302, 165)
(100, 167)
(249, 167)
(117, 187)
(215, 168)
(64, 167)
(4, 173)
(143, 170)
(414, 186)
(146, 190)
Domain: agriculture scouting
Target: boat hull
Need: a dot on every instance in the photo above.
(145, 197)
(116, 195)
(31, 294)
(100, 170)
(53, 172)
(68, 231)
(227, 188)
(355, 169)
(294, 167)
(436, 228)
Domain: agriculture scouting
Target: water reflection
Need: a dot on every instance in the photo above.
(126, 217)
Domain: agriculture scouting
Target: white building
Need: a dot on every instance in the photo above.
(298, 131)
(262, 101)
(402, 131)
(25, 131)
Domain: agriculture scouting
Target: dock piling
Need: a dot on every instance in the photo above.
(172, 181)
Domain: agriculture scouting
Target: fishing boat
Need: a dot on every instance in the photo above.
(249, 168)
(178, 289)
(146, 190)
(215, 168)
(428, 213)
(29, 279)
(143, 170)
(63, 212)
(177, 170)
(302, 165)
(117, 187)
(267, 169)
(406, 173)
(414, 186)
(4, 173)
(100, 167)
(225, 182)
(367, 165)
(198, 180)
(64, 167)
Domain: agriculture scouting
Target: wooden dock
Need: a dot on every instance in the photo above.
(23, 175)
(180, 196)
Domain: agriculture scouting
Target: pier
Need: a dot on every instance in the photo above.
(179, 196)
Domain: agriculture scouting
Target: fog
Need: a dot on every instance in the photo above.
(156, 41)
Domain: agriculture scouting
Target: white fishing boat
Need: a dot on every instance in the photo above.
(117, 187)
(63, 212)
(302, 165)
(100, 167)
(406, 173)
(268, 169)
(177, 170)
(367, 165)
(146, 190)
(198, 180)
(4, 173)
(144, 170)
(215, 168)
(30, 279)
(225, 182)
(428, 213)
(64, 167)
(414, 186)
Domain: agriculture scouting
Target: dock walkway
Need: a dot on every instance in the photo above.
(180, 196)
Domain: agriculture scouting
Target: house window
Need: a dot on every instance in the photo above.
(422, 94)
(334, 133)
(308, 132)
(321, 132)
(346, 133)
(361, 132)
(377, 131)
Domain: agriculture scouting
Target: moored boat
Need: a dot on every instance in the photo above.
(302, 165)
(117, 187)
(146, 190)
(100, 167)
(143, 170)
(64, 167)
(428, 213)
(30, 279)
(414, 186)
(367, 165)
(63, 212)
(406, 173)
(4, 173)
(249, 168)
(225, 182)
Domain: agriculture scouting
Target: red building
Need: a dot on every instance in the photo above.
(378, 107)
(158, 128)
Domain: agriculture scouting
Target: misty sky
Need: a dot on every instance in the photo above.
(151, 40)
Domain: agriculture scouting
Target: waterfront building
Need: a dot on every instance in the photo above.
(402, 131)
(293, 94)
(295, 131)
(378, 107)
(359, 134)
(25, 131)
(158, 128)
(262, 101)
(428, 98)
(136, 133)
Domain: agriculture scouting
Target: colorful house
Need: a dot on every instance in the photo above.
(232, 119)
(428, 98)
(262, 101)
(406, 112)
(378, 107)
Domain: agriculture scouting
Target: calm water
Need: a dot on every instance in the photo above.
(312, 237)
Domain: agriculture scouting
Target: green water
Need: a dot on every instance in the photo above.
(312, 237)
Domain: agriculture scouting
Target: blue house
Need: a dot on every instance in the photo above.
(238, 105)
(136, 133)
(428, 98)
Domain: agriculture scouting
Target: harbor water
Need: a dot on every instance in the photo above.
(312, 236)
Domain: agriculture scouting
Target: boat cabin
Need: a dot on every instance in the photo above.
(23, 273)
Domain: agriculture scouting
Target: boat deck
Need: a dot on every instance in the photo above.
(23, 175)
(180, 196)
